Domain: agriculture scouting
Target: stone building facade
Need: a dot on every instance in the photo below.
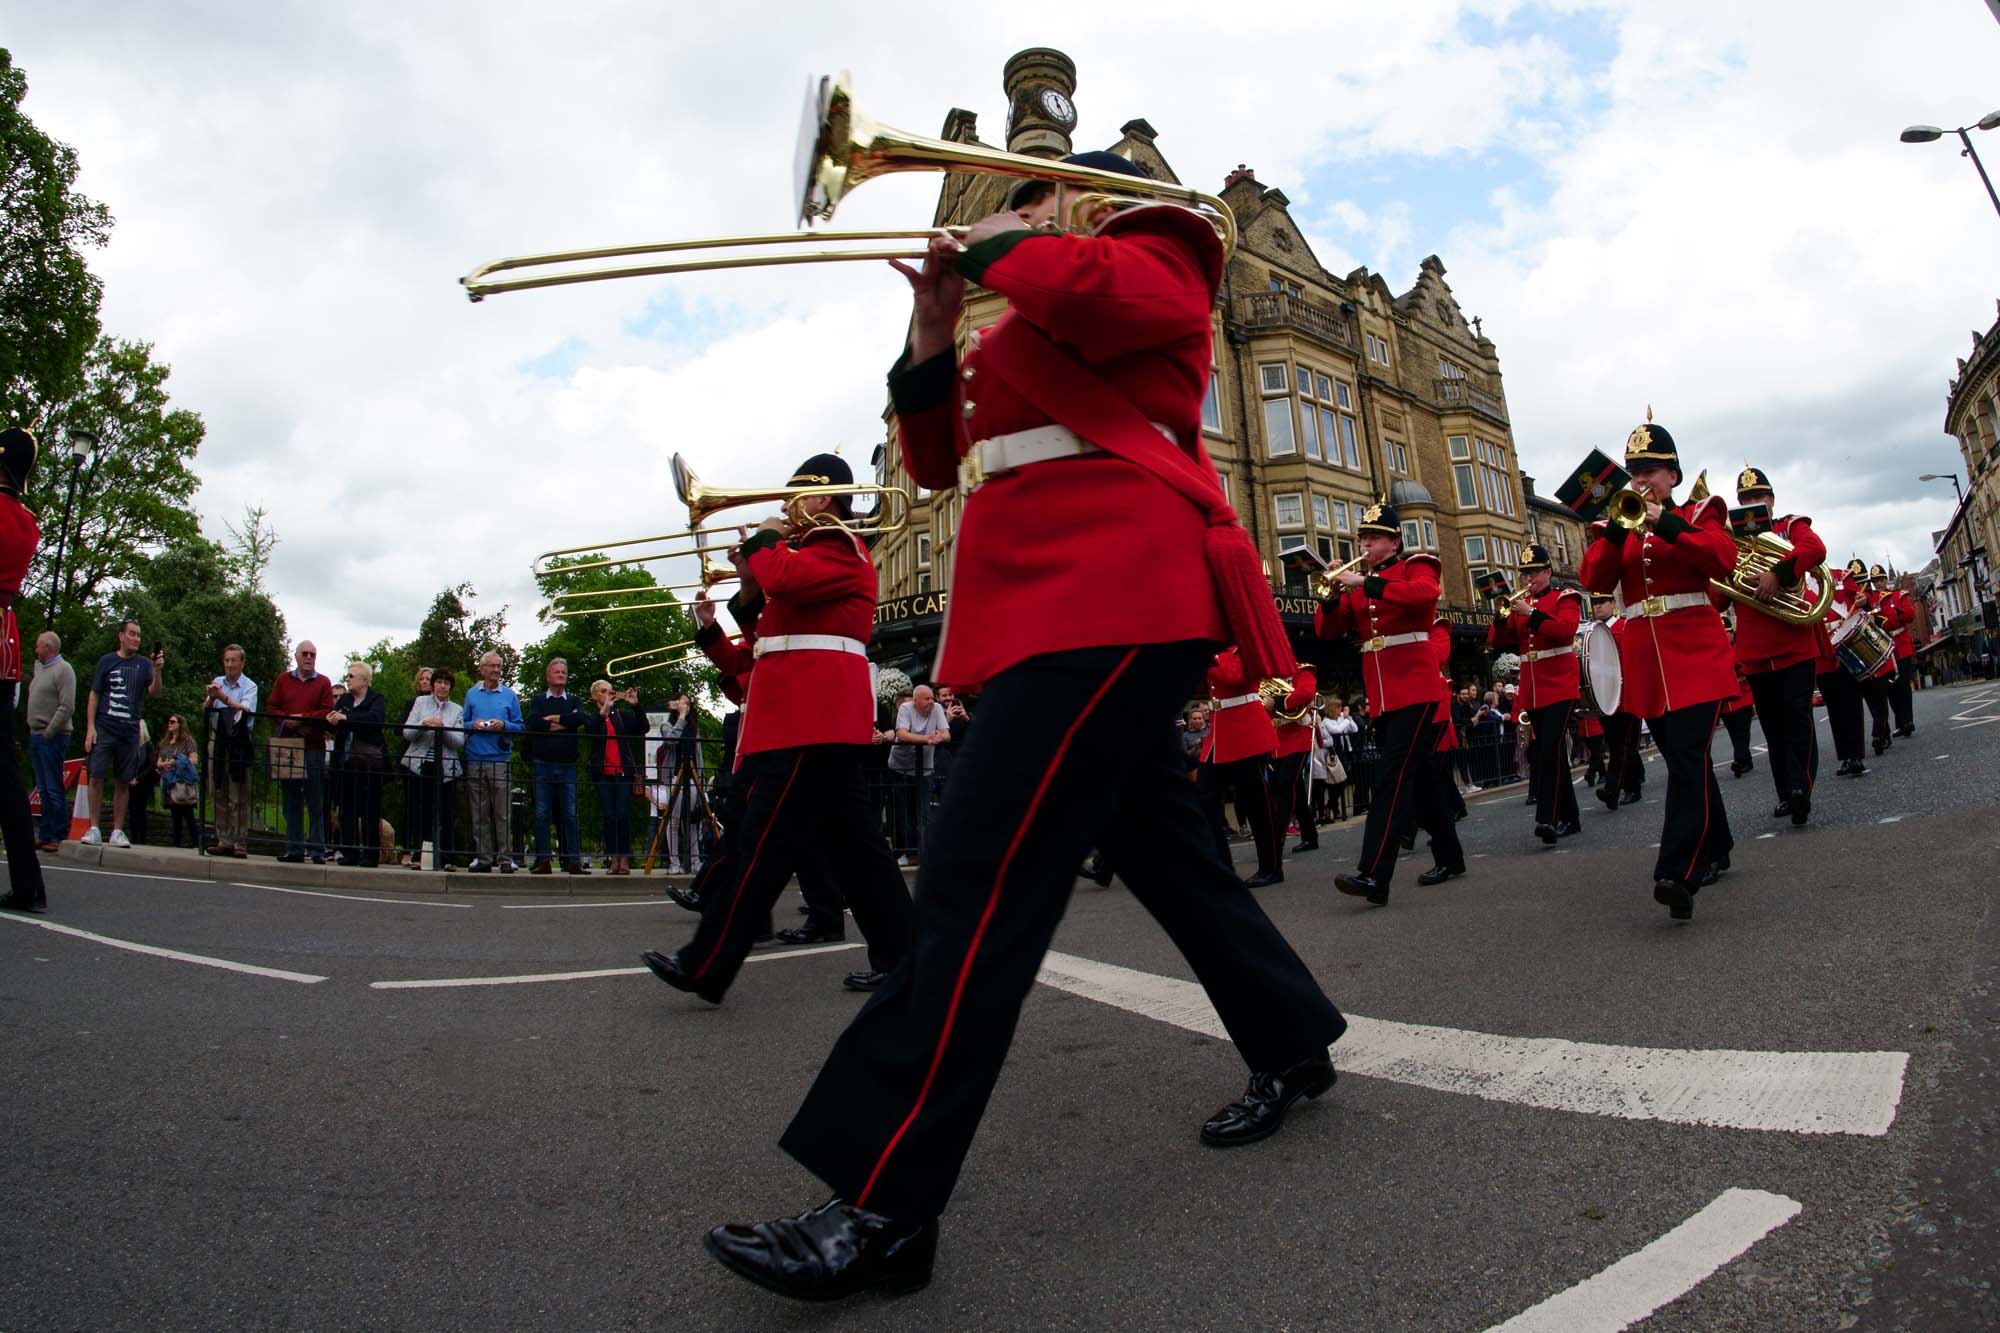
(1329, 390)
(1968, 544)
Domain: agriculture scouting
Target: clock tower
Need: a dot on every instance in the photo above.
(1040, 115)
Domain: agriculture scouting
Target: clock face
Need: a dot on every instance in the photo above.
(1057, 107)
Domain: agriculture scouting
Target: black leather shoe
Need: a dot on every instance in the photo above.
(810, 934)
(576, 868)
(1881, 745)
(1264, 878)
(1098, 873)
(1706, 876)
(1362, 886)
(1410, 841)
(682, 898)
(1858, 769)
(834, 1251)
(541, 868)
(1799, 807)
(1569, 830)
(1256, 1115)
(1439, 874)
(1547, 833)
(293, 858)
(14, 902)
(864, 981)
(1305, 847)
(668, 969)
(1781, 809)
(1674, 895)
(1609, 796)
(1631, 798)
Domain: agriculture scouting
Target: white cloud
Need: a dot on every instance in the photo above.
(1734, 234)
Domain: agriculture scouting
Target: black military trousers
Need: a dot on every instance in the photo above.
(24, 869)
(1448, 792)
(1625, 771)
(1286, 801)
(1242, 780)
(1875, 693)
(801, 806)
(1073, 749)
(1595, 768)
(1901, 690)
(1695, 830)
(1737, 723)
(1842, 693)
(1436, 818)
(1555, 796)
(1785, 712)
(1406, 790)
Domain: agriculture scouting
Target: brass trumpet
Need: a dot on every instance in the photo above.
(1508, 605)
(1628, 506)
(1323, 585)
(839, 148)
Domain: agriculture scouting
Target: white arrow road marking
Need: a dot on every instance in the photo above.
(304, 978)
(1802, 1092)
(1664, 1271)
(439, 983)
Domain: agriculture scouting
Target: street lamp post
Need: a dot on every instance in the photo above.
(1972, 579)
(1931, 133)
(81, 442)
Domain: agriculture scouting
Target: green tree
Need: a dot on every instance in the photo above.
(251, 546)
(454, 638)
(134, 494)
(590, 643)
(48, 295)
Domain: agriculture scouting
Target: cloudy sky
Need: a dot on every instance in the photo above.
(1697, 205)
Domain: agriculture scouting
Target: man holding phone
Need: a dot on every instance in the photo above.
(111, 726)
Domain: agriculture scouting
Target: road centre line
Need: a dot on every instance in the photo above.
(347, 897)
(1804, 1092)
(1662, 1272)
(303, 978)
(122, 874)
(443, 983)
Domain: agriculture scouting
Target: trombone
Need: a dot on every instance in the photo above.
(669, 655)
(839, 148)
(612, 601)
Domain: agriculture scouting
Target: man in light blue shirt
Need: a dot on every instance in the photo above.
(232, 698)
(491, 712)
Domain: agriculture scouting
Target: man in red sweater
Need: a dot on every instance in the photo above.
(300, 699)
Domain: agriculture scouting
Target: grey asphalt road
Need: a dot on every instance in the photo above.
(192, 1147)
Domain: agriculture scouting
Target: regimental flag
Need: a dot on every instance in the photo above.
(1750, 520)
(1491, 583)
(1591, 485)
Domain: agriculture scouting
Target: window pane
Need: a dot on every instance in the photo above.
(1475, 550)
(1430, 535)
(1305, 382)
(1293, 543)
(1328, 433)
(1324, 547)
(1340, 516)
(1273, 377)
(1340, 393)
(1325, 388)
(923, 548)
(1346, 550)
(1412, 537)
(1290, 510)
(1211, 408)
(1459, 447)
(1308, 429)
(1278, 426)
(1468, 495)
(1322, 516)
(1347, 441)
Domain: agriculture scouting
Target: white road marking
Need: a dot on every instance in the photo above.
(347, 897)
(1804, 1092)
(304, 978)
(1890, 819)
(547, 907)
(1762, 836)
(440, 983)
(1940, 756)
(122, 874)
(1663, 1271)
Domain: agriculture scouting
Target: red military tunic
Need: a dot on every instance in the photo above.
(1543, 632)
(1131, 303)
(1393, 612)
(1238, 726)
(1678, 657)
(1441, 646)
(1743, 697)
(1847, 596)
(1764, 642)
(1898, 614)
(19, 535)
(1297, 737)
(822, 584)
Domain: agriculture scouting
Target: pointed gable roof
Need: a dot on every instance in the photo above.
(1432, 304)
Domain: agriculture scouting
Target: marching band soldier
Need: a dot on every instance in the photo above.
(1076, 744)
(1779, 659)
(1392, 608)
(1447, 856)
(1241, 741)
(19, 536)
(1678, 673)
(807, 719)
(1837, 685)
(1736, 717)
(1875, 689)
(1288, 799)
(1624, 771)
(1543, 632)
(1898, 614)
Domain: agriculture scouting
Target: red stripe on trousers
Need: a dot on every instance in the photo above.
(1706, 778)
(750, 866)
(1395, 793)
(985, 919)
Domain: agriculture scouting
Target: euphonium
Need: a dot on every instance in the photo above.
(1274, 690)
(1760, 552)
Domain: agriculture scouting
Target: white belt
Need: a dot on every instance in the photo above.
(1236, 701)
(1659, 606)
(1381, 641)
(1541, 653)
(806, 643)
(1004, 453)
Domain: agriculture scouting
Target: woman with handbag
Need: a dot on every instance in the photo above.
(359, 761)
(180, 781)
(434, 734)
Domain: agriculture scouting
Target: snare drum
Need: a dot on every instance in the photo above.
(1602, 678)
(1863, 647)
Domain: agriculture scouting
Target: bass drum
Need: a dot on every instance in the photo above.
(1602, 678)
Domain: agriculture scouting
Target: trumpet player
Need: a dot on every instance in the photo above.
(1295, 734)
(1779, 659)
(1898, 614)
(1875, 689)
(1241, 742)
(1837, 685)
(1674, 655)
(1391, 608)
(1543, 631)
